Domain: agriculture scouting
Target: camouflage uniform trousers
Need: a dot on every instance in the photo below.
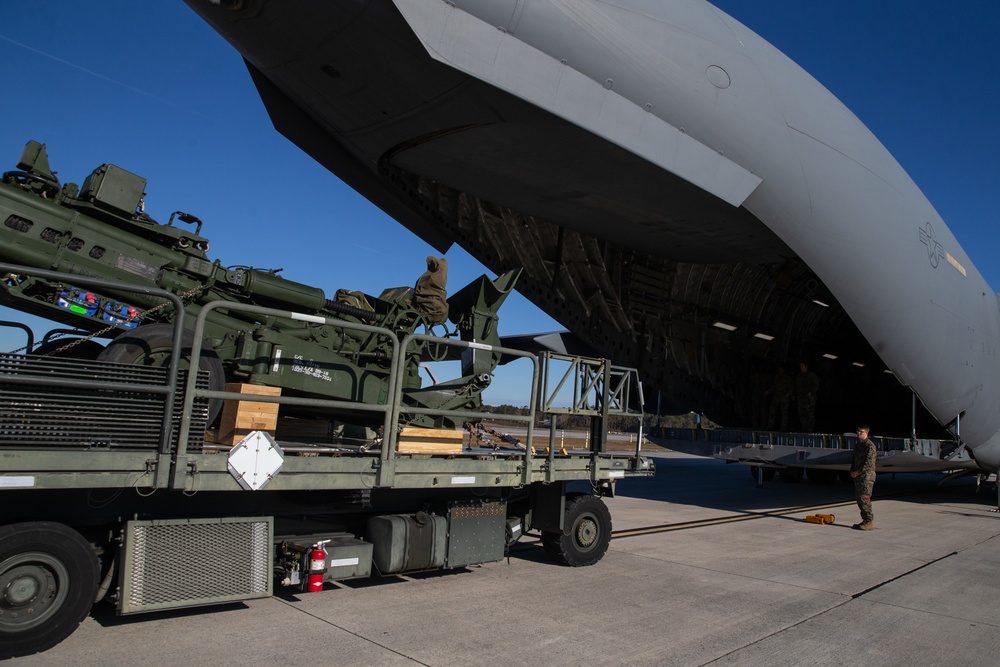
(807, 411)
(863, 487)
(780, 406)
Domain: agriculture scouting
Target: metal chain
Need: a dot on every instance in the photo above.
(482, 433)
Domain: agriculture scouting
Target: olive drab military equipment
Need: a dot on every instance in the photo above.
(102, 230)
(330, 459)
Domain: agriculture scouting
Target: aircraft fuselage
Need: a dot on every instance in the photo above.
(668, 128)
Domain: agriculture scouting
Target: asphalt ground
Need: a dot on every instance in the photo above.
(704, 569)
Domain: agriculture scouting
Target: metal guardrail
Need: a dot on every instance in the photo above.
(766, 437)
(598, 387)
(59, 403)
(29, 334)
(529, 419)
(168, 390)
(601, 389)
(385, 470)
(836, 441)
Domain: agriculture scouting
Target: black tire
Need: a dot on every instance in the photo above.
(767, 473)
(821, 475)
(151, 345)
(585, 539)
(88, 350)
(48, 581)
(791, 475)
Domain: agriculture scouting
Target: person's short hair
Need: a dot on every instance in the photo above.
(864, 427)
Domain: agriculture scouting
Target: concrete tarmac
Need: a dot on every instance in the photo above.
(704, 569)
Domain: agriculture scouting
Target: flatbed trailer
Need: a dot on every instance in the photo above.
(113, 489)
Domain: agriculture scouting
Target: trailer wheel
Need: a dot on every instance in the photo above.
(585, 539)
(48, 581)
(151, 344)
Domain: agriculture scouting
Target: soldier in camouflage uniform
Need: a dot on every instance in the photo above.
(863, 472)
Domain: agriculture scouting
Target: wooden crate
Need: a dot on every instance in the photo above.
(241, 417)
(430, 441)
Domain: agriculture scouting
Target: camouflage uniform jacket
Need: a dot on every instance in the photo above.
(806, 385)
(783, 386)
(863, 462)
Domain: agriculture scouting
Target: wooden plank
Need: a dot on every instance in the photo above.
(258, 389)
(415, 440)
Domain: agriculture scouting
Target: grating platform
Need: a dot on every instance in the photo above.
(56, 403)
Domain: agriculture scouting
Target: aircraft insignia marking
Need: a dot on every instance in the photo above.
(935, 251)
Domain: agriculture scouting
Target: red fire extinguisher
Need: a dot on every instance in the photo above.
(317, 567)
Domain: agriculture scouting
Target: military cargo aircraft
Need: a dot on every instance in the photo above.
(682, 196)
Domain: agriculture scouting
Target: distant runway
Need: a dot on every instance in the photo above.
(704, 569)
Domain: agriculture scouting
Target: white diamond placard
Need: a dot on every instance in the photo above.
(255, 460)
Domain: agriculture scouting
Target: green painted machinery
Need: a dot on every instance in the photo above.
(100, 230)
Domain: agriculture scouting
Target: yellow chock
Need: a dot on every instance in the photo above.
(820, 518)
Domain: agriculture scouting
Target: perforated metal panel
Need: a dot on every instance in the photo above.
(191, 562)
(477, 532)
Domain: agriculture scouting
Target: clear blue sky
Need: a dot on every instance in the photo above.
(149, 87)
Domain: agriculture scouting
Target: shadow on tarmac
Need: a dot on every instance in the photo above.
(105, 615)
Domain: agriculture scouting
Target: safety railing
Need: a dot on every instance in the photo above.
(167, 390)
(600, 389)
(191, 391)
(596, 389)
(528, 419)
(841, 441)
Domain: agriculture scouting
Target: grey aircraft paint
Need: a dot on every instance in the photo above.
(655, 167)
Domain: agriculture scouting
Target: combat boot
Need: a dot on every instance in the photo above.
(867, 525)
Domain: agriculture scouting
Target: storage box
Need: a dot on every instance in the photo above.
(348, 558)
(113, 189)
(243, 416)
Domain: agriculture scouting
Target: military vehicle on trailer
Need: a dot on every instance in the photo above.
(120, 480)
